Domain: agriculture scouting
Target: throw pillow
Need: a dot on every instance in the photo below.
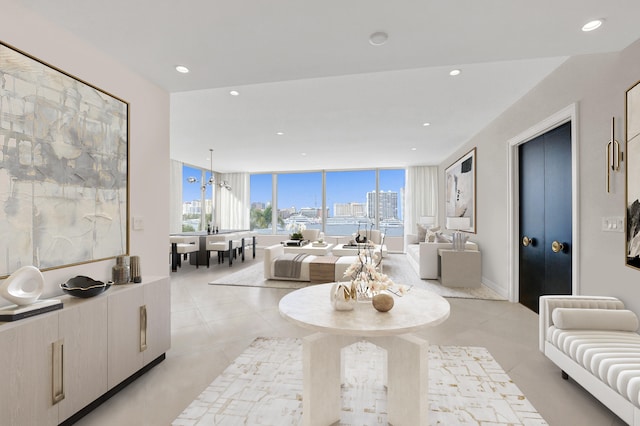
(594, 319)
(442, 238)
(422, 232)
(431, 234)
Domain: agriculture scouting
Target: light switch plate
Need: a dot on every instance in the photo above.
(138, 223)
(613, 224)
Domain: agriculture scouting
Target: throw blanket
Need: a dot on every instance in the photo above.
(288, 265)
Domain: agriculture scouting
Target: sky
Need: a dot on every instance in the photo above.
(305, 189)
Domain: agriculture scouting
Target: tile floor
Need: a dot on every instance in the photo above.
(211, 325)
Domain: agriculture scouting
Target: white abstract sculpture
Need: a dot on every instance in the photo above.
(24, 286)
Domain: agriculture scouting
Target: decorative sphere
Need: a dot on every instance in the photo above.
(383, 302)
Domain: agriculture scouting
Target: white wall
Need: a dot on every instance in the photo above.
(597, 83)
(148, 136)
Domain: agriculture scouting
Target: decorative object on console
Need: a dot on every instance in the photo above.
(136, 274)
(24, 287)
(460, 189)
(458, 224)
(84, 287)
(633, 176)
(121, 271)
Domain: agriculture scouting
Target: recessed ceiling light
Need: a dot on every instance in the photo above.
(426, 124)
(454, 72)
(592, 25)
(182, 69)
(234, 93)
(304, 154)
(378, 38)
(414, 149)
(279, 133)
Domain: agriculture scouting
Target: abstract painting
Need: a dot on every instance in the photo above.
(63, 167)
(633, 175)
(460, 189)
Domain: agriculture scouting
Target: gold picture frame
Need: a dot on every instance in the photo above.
(64, 167)
(632, 193)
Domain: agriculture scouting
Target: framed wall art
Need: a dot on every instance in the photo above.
(63, 167)
(460, 189)
(632, 112)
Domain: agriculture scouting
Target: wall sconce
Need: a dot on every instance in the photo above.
(614, 155)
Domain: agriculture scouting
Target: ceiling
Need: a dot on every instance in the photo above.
(306, 69)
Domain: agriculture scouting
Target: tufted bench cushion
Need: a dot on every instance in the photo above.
(595, 341)
(608, 355)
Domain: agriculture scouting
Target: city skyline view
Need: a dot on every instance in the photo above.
(304, 190)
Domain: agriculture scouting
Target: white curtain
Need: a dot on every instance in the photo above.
(421, 197)
(234, 204)
(175, 197)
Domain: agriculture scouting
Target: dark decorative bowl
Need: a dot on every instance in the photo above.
(84, 287)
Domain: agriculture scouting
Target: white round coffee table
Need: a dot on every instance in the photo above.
(407, 355)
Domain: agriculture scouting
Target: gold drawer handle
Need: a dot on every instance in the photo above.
(57, 364)
(143, 328)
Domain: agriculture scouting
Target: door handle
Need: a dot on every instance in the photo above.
(526, 241)
(557, 247)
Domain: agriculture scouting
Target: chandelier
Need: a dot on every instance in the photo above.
(224, 184)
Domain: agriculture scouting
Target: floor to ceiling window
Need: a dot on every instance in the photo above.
(261, 187)
(391, 202)
(197, 196)
(299, 201)
(349, 194)
(352, 199)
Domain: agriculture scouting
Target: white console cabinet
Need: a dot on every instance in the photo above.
(26, 371)
(56, 366)
(139, 329)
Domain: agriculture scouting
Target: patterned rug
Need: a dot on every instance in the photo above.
(396, 266)
(263, 386)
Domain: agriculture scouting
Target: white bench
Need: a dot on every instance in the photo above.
(594, 341)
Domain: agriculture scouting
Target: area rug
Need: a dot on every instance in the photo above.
(263, 386)
(395, 265)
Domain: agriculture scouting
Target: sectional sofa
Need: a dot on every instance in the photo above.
(272, 253)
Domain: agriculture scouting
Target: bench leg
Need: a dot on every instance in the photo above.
(565, 376)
